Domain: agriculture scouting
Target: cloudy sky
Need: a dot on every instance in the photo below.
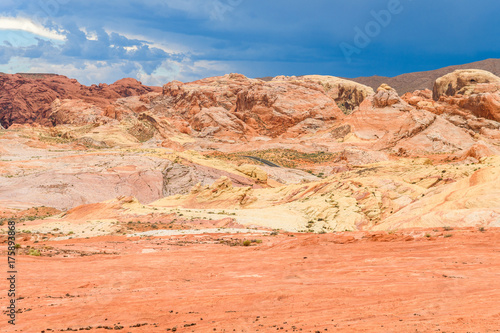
(157, 41)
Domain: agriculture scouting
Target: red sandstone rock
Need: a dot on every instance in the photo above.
(473, 90)
(235, 105)
(463, 82)
(388, 122)
(477, 112)
(28, 98)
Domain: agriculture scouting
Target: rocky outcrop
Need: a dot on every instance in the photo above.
(272, 108)
(181, 178)
(74, 112)
(28, 98)
(233, 105)
(390, 123)
(474, 91)
(480, 104)
(463, 82)
(347, 94)
(253, 172)
(386, 96)
(477, 110)
(469, 202)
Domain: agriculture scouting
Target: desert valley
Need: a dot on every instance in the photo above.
(292, 204)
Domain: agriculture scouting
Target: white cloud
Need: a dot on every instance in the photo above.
(25, 24)
(172, 47)
(94, 72)
(131, 48)
(89, 34)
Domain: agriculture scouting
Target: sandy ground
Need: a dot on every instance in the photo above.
(411, 281)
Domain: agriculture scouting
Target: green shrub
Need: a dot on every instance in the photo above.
(34, 252)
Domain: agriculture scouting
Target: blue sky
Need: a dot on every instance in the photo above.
(157, 41)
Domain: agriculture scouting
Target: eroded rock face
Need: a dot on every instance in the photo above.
(274, 107)
(218, 119)
(386, 96)
(484, 105)
(74, 180)
(28, 98)
(473, 90)
(476, 91)
(477, 113)
(347, 94)
(190, 98)
(391, 123)
(462, 82)
(181, 178)
(74, 112)
(234, 104)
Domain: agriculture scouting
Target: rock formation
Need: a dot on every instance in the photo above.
(190, 142)
(28, 98)
(464, 82)
(347, 94)
(389, 122)
(233, 105)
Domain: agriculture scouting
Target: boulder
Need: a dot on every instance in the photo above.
(462, 82)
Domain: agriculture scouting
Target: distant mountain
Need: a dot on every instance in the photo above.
(421, 80)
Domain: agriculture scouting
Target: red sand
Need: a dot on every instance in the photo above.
(309, 283)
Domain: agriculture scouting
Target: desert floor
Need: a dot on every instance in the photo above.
(420, 280)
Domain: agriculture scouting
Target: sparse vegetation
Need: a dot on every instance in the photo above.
(34, 252)
(285, 157)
